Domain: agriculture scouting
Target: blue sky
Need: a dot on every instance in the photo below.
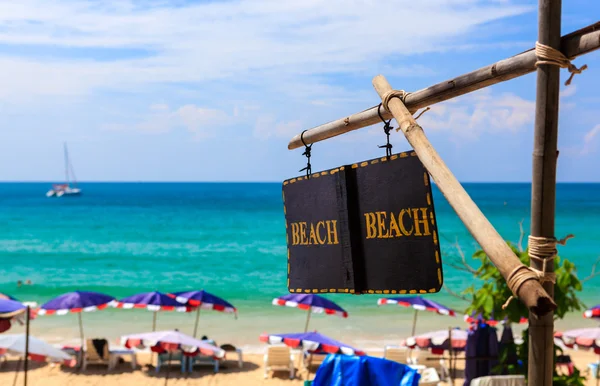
(213, 90)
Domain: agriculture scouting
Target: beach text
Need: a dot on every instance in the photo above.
(407, 222)
(319, 233)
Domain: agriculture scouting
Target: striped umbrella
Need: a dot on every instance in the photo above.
(310, 303)
(77, 302)
(153, 301)
(474, 318)
(418, 304)
(203, 300)
(312, 342)
(439, 340)
(592, 313)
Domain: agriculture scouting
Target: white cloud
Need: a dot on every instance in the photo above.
(208, 41)
(479, 112)
(589, 140)
(267, 126)
(201, 122)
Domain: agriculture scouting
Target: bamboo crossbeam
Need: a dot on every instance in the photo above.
(574, 44)
(531, 292)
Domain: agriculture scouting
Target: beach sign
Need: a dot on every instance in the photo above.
(363, 228)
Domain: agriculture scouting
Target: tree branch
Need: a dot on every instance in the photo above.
(520, 244)
(594, 273)
(463, 260)
(455, 294)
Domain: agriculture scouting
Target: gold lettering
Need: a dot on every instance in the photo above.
(381, 217)
(295, 234)
(401, 222)
(313, 237)
(394, 226)
(422, 220)
(303, 240)
(331, 231)
(371, 228)
(321, 240)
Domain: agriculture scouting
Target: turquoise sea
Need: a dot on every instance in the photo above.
(229, 238)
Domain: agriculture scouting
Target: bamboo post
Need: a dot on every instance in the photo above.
(531, 292)
(543, 187)
(575, 44)
(196, 324)
(307, 319)
(80, 330)
(26, 360)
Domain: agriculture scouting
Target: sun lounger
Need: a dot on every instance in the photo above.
(203, 360)
(429, 360)
(429, 377)
(2, 357)
(314, 360)
(279, 358)
(396, 354)
(499, 380)
(228, 348)
(92, 356)
(168, 357)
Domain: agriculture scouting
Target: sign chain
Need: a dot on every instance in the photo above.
(307, 149)
(386, 129)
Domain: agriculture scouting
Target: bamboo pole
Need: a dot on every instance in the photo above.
(414, 326)
(543, 187)
(307, 319)
(26, 359)
(196, 324)
(574, 44)
(531, 292)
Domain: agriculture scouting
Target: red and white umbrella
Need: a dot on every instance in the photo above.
(439, 340)
(38, 349)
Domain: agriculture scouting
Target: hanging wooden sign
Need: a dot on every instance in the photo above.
(363, 228)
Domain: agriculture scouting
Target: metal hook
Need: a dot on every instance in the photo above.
(386, 129)
(306, 153)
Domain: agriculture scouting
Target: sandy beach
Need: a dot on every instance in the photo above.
(45, 374)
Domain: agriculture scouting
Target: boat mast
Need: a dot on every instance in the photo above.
(66, 163)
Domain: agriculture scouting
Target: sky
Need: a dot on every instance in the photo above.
(159, 90)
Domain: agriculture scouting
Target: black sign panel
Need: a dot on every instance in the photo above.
(363, 228)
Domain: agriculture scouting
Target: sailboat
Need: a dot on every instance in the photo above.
(59, 190)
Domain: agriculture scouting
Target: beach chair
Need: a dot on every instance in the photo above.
(429, 360)
(203, 360)
(314, 360)
(429, 377)
(165, 358)
(92, 356)
(499, 380)
(228, 348)
(279, 358)
(396, 354)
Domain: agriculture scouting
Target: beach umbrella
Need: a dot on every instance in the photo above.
(475, 317)
(152, 301)
(9, 309)
(592, 313)
(586, 338)
(310, 303)
(38, 350)
(418, 303)
(439, 340)
(77, 302)
(170, 341)
(313, 342)
(7, 297)
(203, 300)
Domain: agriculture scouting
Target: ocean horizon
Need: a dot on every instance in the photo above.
(122, 238)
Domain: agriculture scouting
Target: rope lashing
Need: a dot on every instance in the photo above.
(385, 99)
(541, 249)
(553, 57)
